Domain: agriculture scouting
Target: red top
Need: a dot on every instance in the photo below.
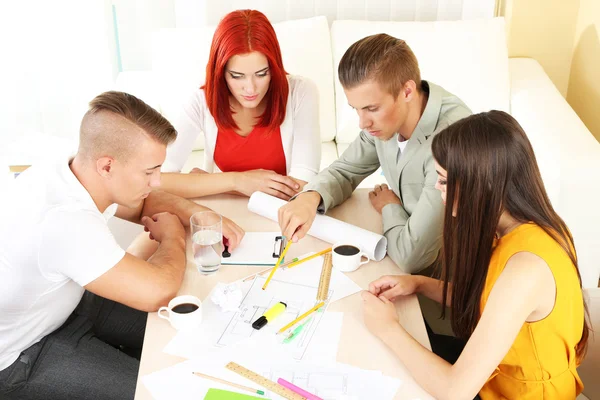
(255, 151)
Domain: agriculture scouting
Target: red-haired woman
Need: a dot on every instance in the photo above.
(261, 125)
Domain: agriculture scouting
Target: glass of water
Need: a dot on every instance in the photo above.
(207, 240)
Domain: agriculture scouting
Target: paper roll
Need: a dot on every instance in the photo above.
(325, 228)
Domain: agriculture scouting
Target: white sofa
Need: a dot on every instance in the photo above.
(468, 58)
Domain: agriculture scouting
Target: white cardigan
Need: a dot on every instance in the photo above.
(300, 133)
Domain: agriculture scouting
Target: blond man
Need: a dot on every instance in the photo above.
(71, 300)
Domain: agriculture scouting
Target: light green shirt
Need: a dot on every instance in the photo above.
(413, 229)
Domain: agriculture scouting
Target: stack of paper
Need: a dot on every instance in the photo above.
(296, 287)
(334, 382)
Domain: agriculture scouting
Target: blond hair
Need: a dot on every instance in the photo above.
(108, 127)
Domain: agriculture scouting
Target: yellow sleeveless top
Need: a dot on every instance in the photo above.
(541, 364)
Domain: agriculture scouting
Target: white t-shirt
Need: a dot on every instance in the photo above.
(402, 143)
(53, 241)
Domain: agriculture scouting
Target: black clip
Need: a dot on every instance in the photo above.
(281, 240)
(226, 252)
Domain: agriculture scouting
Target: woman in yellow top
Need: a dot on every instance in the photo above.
(510, 275)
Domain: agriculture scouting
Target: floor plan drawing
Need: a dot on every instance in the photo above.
(298, 298)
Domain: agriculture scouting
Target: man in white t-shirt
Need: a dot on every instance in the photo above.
(71, 300)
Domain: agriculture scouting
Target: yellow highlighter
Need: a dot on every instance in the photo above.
(269, 315)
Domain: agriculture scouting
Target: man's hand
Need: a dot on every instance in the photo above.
(268, 182)
(232, 232)
(381, 196)
(296, 217)
(162, 226)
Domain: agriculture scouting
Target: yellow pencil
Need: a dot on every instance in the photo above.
(281, 256)
(300, 318)
(264, 271)
(309, 258)
(212, 378)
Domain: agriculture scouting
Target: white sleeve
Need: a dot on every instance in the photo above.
(189, 124)
(77, 245)
(306, 145)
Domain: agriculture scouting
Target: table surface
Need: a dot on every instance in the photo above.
(371, 354)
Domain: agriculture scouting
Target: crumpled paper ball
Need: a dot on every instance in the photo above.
(228, 297)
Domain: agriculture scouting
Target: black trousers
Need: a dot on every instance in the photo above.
(447, 347)
(93, 355)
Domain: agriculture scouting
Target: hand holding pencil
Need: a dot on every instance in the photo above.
(281, 256)
(296, 217)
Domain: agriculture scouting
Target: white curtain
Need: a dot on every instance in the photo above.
(194, 13)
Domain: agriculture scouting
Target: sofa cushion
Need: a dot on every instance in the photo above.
(467, 58)
(179, 58)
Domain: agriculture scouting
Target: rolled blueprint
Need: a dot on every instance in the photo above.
(325, 228)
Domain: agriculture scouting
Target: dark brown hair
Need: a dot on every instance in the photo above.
(383, 58)
(491, 168)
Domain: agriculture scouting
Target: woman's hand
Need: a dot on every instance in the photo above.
(379, 314)
(268, 182)
(391, 287)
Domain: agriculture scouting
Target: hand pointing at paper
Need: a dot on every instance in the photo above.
(297, 216)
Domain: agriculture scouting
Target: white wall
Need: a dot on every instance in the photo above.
(57, 55)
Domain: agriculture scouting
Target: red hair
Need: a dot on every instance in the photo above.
(241, 32)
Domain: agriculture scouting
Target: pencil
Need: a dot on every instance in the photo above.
(212, 378)
(249, 278)
(300, 318)
(293, 264)
(281, 256)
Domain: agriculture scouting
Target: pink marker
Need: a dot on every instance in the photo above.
(296, 389)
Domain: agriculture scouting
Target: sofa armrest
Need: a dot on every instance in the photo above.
(568, 156)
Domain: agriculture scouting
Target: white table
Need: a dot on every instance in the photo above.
(357, 346)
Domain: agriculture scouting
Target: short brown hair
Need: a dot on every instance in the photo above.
(102, 125)
(383, 58)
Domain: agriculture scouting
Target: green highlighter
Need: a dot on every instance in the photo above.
(218, 394)
(296, 332)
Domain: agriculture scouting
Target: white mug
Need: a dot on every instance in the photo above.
(347, 257)
(183, 312)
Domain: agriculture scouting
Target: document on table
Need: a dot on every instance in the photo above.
(256, 248)
(324, 336)
(333, 382)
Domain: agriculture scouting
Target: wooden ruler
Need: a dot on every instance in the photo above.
(264, 382)
(323, 291)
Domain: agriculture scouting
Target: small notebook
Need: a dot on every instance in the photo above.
(256, 248)
(218, 394)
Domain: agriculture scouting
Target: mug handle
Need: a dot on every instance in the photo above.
(363, 254)
(162, 316)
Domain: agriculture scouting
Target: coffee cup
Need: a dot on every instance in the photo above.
(183, 312)
(347, 257)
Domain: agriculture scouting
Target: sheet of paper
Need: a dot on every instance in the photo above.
(232, 333)
(256, 248)
(334, 382)
(219, 394)
(309, 273)
(299, 299)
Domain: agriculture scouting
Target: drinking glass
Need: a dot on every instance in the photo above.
(207, 240)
